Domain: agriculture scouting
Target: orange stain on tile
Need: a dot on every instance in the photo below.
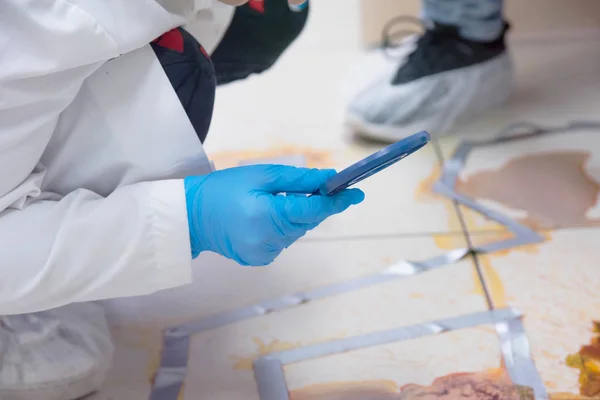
(550, 355)
(553, 188)
(245, 363)
(570, 396)
(425, 189)
(493, 282)
(314, 158)
(492, 278)
(533, 248)
(152, 367)
(445, 241)
(550, 385)
(455, 241)
(587, 361)
(370, 390)
(488, 385)
(387, 260)
(425, 193)
(448, 241)
(262, 348)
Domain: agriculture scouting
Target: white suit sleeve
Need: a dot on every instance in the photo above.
(81, 247)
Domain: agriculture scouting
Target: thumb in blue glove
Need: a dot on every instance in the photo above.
(250, 214)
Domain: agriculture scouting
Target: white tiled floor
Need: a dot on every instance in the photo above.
(402, 363)
(555, 284)
(220, 359)
(297, 106)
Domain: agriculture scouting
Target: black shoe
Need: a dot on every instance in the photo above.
(442, 49)
(429, 83)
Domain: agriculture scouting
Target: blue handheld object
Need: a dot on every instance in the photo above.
(374, 163)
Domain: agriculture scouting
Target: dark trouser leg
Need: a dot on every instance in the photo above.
(257, 36)
(477, 20)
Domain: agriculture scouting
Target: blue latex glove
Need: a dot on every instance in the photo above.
(241, 214)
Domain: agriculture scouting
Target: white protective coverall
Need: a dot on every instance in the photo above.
(94, 144)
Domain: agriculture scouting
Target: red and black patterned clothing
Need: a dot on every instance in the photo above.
(259, 32)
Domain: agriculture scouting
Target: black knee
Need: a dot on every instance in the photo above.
(257, 36)
(191, 73)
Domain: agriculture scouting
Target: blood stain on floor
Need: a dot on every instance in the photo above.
(553, 188)
(488, 385)
(446, 241)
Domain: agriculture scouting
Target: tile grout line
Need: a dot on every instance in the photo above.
(379, 236)
(474, 256)
(466, 234)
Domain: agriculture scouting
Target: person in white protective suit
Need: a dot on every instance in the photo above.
(457, 68)
(105, 190)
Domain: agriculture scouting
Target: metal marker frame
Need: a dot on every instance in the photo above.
(451, 170)
(269, 369)
(171, 373)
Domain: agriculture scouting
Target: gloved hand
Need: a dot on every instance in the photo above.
(242, 214)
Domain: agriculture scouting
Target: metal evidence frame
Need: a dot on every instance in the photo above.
(270, 377)
(268, 370)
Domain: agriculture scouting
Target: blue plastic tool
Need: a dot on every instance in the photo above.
(374, 163)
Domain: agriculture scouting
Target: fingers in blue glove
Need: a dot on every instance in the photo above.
(285, 179)
(313, 210)
(241, 213)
